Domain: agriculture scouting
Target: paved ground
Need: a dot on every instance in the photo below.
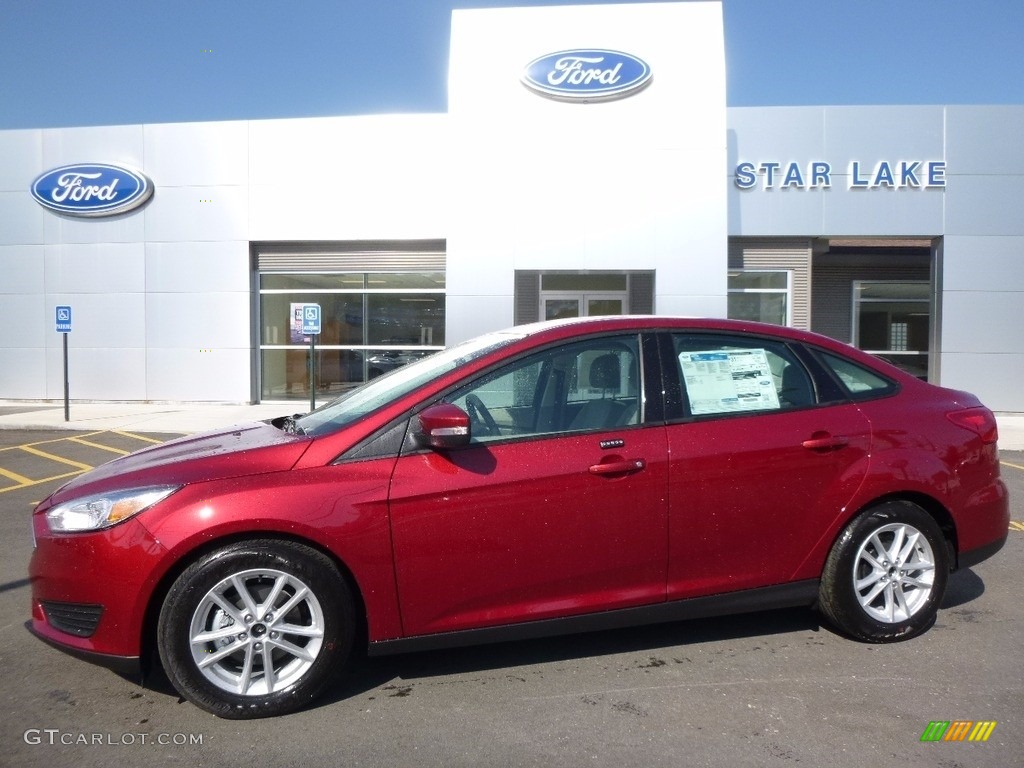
(757, 690)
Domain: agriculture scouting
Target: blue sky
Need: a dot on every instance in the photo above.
(101, 62)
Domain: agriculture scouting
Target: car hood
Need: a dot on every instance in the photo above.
(246, 449)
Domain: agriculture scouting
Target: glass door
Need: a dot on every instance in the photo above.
(561, 307)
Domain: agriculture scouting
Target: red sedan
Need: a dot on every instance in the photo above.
(553, 478)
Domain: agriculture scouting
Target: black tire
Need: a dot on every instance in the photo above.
(306, 646)
(885, 598)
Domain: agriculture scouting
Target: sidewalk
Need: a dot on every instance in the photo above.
(199, 417)
(139, 417)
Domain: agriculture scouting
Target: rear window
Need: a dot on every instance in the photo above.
(858, 381)
(733, 374)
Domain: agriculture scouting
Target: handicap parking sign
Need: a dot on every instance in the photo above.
(310, 319)
(64, 319)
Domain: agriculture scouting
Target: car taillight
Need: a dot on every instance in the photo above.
(980, 420)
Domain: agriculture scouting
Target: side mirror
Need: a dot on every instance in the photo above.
(443, 426)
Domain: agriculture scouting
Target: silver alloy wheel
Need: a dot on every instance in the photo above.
(894, 573)
(256, 632)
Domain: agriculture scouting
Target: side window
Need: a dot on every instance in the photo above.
(856, 379)
(586, 385)
(724, 374)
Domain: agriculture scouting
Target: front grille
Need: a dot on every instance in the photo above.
(74, 618)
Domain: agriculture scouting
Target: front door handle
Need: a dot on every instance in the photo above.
(823, 441)
(618, 467)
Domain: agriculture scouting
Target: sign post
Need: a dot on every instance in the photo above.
(311, 328)
(64, 328)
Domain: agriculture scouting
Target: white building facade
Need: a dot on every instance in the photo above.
(891, 228)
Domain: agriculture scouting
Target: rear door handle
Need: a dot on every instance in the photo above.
(825, 442)
(618, 467)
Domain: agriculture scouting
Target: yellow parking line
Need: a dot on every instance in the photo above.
(97, 445)
(1008, 464)
(137, 437)
(31, 483)
(51, 457)
(45, 442)
(1015, 526)
(19, 479)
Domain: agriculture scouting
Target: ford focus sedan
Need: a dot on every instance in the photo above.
(553, 478)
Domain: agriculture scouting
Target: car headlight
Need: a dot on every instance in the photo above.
(103, 510)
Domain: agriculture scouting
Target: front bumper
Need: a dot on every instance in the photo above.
(123, 665)
(90, 590)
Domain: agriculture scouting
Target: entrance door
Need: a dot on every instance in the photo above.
(563, 305)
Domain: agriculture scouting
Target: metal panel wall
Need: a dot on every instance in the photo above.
(981, 271)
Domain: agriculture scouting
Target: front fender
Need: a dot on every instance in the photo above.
(341, 510)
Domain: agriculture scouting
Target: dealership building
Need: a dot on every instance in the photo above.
(587, 164)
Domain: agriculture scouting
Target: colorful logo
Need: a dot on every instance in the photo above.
(586, 75)
(93, 189)
(958, 730)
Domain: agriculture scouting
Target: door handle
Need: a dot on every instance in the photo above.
(618, 467)
(822, 441)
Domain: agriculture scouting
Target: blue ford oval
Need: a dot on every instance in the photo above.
(92, 189)
(587, 75)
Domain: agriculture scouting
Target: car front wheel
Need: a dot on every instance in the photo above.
(256, 629)
(886, 574)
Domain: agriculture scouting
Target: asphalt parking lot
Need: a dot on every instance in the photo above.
(755, 690)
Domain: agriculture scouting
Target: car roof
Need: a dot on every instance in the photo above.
(555, 330)
(577, 325)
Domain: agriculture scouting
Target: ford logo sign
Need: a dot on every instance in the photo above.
(586, 75)
(92, 189)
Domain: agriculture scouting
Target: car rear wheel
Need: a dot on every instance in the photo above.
(256, 629)
(885, 576)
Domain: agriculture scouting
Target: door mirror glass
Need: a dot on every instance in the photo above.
(442, 426)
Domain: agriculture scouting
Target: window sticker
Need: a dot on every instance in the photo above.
(727, 381)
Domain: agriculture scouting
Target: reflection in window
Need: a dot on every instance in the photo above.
(583, 294)
(760, 295)
(858, 381)
(371, 323)
(893, 320)
(592, 385)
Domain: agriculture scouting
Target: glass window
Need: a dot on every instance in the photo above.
(583, 294)
(587, 385)
(893, 320)
(722, 374)
(360, 401)
(584, 281)
(560, 309)
(405, 319)
(275, 282)
(858, 380)
(371, 323)
(760, 295)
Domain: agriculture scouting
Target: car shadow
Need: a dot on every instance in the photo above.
(962, 587)
(371, 673)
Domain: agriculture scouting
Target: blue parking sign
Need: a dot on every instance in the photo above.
(64, 319)
(310, 319)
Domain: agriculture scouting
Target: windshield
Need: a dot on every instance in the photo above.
(377, 393)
